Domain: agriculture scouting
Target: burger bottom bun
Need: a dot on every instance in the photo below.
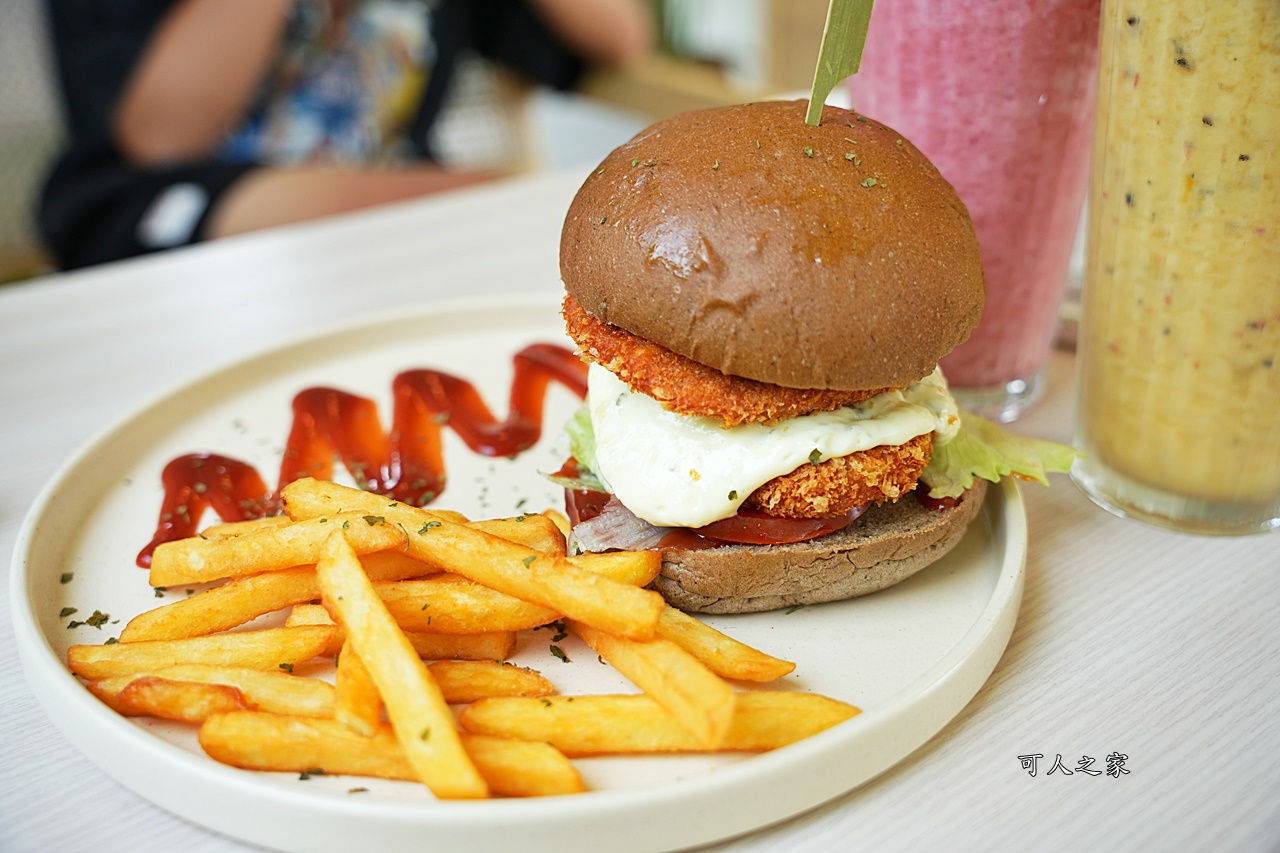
(886, 545)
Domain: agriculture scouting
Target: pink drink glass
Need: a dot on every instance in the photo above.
(999, 95)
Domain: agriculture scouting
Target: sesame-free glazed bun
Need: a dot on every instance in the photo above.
(811, 257)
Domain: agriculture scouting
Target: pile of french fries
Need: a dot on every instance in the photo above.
(373, 589)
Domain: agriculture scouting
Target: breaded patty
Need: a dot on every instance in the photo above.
(836, 486)
(686, 387)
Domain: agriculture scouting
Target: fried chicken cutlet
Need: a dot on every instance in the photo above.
(686, 387)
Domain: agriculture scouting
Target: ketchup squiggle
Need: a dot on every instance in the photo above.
(406, 464)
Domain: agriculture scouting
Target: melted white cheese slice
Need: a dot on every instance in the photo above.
(685, 471)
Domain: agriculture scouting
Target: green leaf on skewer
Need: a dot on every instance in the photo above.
(840, 55)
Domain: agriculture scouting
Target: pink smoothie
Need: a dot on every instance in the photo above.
(999, 95)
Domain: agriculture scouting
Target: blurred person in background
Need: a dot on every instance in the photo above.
(196, 119)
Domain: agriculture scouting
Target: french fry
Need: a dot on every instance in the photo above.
(269, 648)
(278, 692)
(533, 531)
(184, 701)
(637, 568)
(243, 599)
(423, 723)
(552, 582)
(694, 696)
(450, 604)
(518, 768)
(356, 703)
(467, 681)
(239, 528)
(312, 614)
(495, 645)
(219, 609)
(311, 498)
(491, 645)
(508, 567)
(560, 520)
(274, 691)
(395, 566)
(197, 560)
(723, 655)
(257, 741)
(581, 726)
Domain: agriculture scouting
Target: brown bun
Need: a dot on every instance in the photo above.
(749, 241)
(886, 545)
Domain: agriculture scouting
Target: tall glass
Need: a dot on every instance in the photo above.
(1179, 383)
(999, 95)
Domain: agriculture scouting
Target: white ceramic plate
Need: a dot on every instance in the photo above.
(911, 657)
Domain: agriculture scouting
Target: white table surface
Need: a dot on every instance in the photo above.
(1160, 646)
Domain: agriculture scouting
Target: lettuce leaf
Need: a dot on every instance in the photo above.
(582, 445)
(984, 450)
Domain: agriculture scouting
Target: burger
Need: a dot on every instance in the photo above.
(762, 305)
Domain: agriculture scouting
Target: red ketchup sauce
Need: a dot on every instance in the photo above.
(406, 464)
(935, 504)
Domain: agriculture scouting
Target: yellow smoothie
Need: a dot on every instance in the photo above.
(1180, 341)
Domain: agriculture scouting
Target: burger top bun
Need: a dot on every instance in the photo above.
(810, 257)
